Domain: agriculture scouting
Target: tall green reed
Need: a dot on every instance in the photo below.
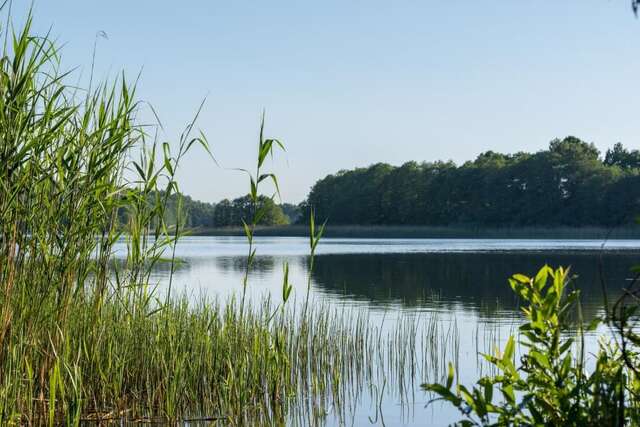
(63, 181)
(266, 148)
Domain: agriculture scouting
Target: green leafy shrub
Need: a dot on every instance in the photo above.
(550, 384)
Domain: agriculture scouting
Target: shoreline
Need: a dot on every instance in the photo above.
(422, 232)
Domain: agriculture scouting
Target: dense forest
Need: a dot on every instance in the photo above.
(569, 184)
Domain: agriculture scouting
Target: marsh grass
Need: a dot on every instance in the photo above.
(204, 362)
(88, 339)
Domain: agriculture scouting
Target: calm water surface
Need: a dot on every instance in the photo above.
(462, 282)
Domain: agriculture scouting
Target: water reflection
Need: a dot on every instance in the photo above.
(259, 266)
(453, 295)
(472, 280)
(454, 282)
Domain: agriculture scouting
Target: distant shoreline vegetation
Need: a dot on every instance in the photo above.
(226, 213)
(568, 185)
(444, 232)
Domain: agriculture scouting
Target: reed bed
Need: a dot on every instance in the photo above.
(86, 338)
(204, 362)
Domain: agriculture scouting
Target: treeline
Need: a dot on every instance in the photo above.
(227, 213)
(567, 184)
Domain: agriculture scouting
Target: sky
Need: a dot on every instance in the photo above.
(350, 83)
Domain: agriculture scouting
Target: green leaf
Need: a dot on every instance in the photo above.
(507, 392)
(541, 277)
(312, 228)
(247, 230)
(468, 397)
(566, 345)
(488, 391)
(542, 360)
(167, 157)
(318, 236)
(443, 392)
(140, 171)
(273, 178)
(509, 349)
(450, 376)
(521, 278)
(254, 190)
(264, 150)
(286, 286)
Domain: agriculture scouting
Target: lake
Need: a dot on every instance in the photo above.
(458, 284)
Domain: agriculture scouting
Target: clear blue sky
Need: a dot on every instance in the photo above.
(350, 83)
